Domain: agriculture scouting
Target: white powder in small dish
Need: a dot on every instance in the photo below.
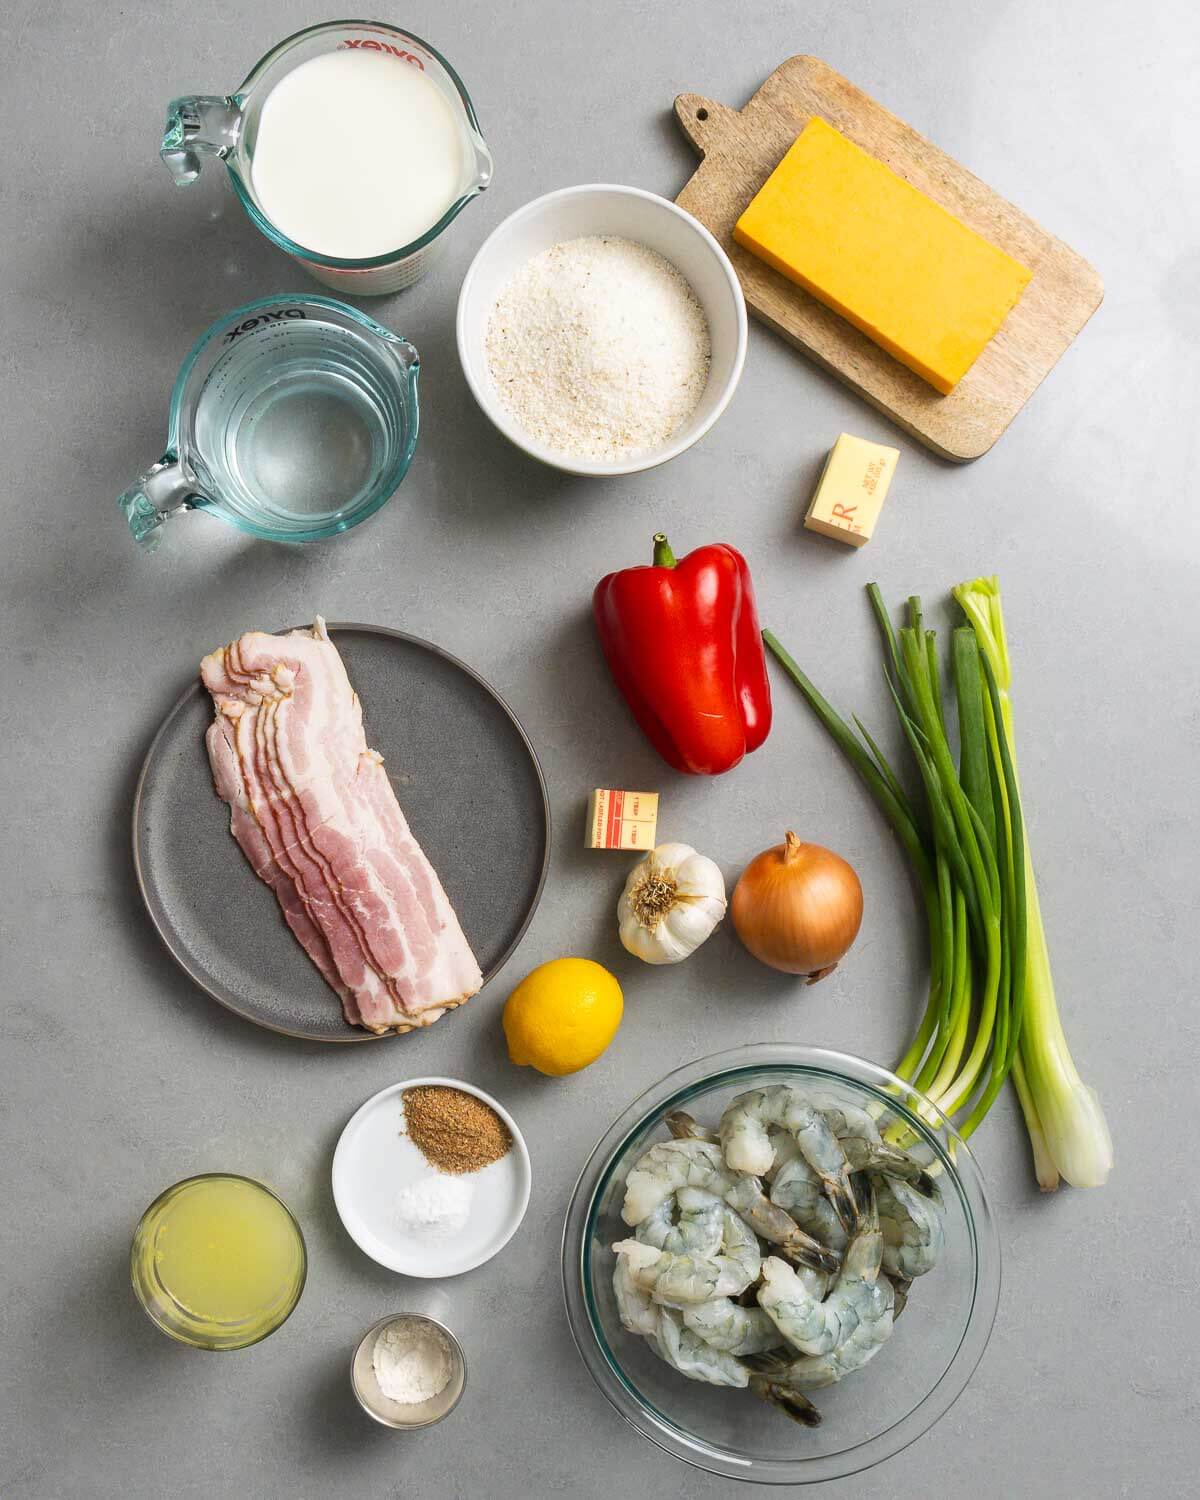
(412, 1361)
(436, 1206)
(598, 348)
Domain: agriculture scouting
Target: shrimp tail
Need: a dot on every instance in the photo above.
(881, 1156)
(792, 1403)
(684, 1128)
(773, 1362)
(805, 1251)
(840, 1192)
(749, 1297)
(901, 1286)
(925, 1184)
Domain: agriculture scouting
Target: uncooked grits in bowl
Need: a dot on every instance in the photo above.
(599, 348)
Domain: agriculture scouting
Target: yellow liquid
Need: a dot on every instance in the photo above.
(218, 1262)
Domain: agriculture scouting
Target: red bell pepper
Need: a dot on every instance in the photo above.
(682, 642)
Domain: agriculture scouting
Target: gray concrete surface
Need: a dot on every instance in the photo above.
(118, 1077)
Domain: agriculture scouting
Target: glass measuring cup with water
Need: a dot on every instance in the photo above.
(394, 151)
(293, 418)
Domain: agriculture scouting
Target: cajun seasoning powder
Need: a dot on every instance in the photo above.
(454, 1132)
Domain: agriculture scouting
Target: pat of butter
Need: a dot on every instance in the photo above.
(621, 820)
(851, 489)
(875, 249)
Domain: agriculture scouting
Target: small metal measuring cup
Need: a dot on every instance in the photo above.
(394, 1414)
(293, 419)
(225, 126)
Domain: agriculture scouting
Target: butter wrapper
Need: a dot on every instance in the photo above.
(851, 490)
(621, 820)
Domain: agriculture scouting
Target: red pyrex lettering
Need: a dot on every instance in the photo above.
(373, 46)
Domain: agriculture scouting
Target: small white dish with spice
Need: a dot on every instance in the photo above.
(602, 329)
(431, 1177)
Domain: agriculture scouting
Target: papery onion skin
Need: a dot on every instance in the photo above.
(798, 908)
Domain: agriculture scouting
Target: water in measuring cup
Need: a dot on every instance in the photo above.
(298, 421)
(357, 154)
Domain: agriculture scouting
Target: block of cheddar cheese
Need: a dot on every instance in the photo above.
(898, 266)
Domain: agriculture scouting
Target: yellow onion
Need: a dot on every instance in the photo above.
(798, 908)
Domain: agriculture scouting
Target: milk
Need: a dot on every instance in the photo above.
(358, 154)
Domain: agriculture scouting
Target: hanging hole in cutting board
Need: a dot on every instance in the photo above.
(702, 114)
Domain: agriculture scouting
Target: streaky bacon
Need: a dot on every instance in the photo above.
(317, 818)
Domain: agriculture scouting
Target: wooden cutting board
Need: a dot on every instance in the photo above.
(740, 149)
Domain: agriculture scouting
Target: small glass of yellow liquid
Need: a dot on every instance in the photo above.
(218, 1262)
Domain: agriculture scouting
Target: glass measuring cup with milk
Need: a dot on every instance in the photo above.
(351, 145)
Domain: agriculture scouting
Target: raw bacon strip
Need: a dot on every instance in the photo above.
(231, 789)
(322, 861)
(316, 816)
(320, 855)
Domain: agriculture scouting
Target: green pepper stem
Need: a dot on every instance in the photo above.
(663, 556)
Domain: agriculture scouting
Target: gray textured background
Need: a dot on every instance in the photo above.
(119, 1078)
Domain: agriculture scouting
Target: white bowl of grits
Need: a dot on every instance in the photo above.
(602, 329)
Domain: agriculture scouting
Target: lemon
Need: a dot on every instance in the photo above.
(561, 1017)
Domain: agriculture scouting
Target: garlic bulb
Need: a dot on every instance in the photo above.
(671, 902)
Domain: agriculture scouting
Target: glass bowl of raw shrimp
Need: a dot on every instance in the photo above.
(869, 1413)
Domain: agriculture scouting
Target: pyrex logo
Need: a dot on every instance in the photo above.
(373, 46)
(262, 318)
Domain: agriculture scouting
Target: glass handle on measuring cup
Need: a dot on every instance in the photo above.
(198, 125)
(163, 489)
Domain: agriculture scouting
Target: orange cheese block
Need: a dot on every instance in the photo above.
(898, 266)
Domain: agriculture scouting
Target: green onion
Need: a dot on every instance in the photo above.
(1066, 1113)
(990, 1012)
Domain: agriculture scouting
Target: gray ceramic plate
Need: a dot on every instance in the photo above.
(467, 778)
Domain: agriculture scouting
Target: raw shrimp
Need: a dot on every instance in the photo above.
(684, 1128)
(726, 1325)
(668, 1166)
(863, 1152)
(637, 1312)
(680, 1279)
(911, 1223)
(699, 1228)
(812, 1371)
(687, 1352)
(747, 1145)
(797, 1188)
(671, 1165)
(854, 1127)
(866, 1150)
(815, 1326)
(880, 1156)
(844, 1119)
(784, 1146)
(786, 1149)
